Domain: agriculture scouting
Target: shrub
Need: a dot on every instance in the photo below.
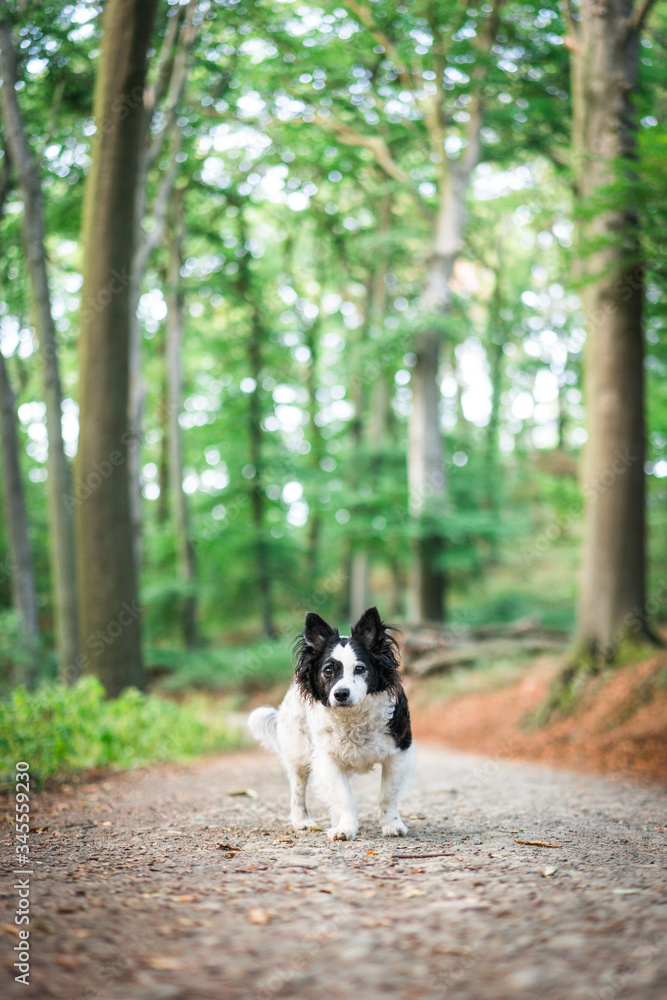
(60, 730)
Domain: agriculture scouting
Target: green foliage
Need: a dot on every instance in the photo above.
(228, 668)
(62, 730)
(296, 230)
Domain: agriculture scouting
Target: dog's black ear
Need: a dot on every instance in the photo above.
(370, 629)
(372, 633)
(317, 633)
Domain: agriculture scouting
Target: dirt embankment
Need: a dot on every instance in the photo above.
(619, 726)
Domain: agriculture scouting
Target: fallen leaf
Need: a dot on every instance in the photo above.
(163, 962)
(537, 843)
(183, 899)
(244, 791)
(227, 847)
(317, 829)
(259, 916)
(372, 852)
(284, 841)
(549, 870)
(231, 854)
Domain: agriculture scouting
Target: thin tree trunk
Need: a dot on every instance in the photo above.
(426, 476)
(110, 616)
(163, 460)
(370, 415)
(174, 354)
(316, 454)
(61, 499)
(24, 596)
(257, 497)
(358, 584)
(604, 55)
(173, 69)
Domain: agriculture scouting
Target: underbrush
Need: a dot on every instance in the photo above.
(226, 668)
(61, 730)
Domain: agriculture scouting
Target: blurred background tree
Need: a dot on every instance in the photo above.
(368, 245)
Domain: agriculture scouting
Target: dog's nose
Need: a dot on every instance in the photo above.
(342, 694)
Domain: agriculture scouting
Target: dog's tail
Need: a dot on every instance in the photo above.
(263, 724)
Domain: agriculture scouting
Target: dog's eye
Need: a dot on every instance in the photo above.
(359, 669)
(328, 671)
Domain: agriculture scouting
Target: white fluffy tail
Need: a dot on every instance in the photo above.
(263, 724)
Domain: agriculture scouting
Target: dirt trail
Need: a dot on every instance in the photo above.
(133, 896)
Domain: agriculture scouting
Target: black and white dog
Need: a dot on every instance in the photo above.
(344, 712)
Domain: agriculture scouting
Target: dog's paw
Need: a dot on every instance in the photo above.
(300, 821)
(394, 828)
(342, 832)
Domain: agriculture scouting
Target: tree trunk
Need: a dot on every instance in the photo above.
(604, 58)
(24, 597)
(163, 460)
(369, 425)
(61, 500)
(257, 500)
(312, 335)
(173, 69)
(358, 584)
(174, 351)
(110, 617)
(426, 474)
(426, 477)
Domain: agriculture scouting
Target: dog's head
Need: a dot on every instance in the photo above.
(339, 671)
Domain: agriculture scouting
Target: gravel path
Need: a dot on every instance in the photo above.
(165, 884)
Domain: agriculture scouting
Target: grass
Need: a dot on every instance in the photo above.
(61, 730)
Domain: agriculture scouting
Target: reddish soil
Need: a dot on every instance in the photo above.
(619, 726)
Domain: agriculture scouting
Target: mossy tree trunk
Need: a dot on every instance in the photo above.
(60, 496)
(604, 45)
(110, 619)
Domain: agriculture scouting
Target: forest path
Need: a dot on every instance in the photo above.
(133, 895)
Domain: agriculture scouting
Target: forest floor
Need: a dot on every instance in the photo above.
(619, 725)
(184, 881)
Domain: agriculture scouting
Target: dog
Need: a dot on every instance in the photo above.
(344, 712)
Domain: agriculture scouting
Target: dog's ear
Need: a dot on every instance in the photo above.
(308, 647)
(317, 633)
(370, 629)
(372, 633)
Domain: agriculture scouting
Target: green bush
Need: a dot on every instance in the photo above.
(226, 668)
(60, 730)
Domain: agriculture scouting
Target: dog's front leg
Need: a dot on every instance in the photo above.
(396, 772)
(298, 779)
(333, 788)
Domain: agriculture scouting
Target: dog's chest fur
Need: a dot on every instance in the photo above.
(357, 737)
